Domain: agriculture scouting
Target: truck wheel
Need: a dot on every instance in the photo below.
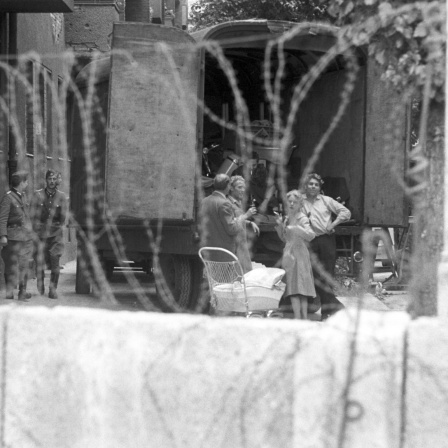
(82, 285)
(200, 299)
(176, 269)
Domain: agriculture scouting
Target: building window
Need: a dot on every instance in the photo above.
(63, 131)
(38, 131)
(46, 109)
(29, 118)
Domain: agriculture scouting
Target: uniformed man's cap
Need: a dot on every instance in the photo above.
(20, 176)
(51, 173)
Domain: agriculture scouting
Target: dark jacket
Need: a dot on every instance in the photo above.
(14, 217)
(219, 226)
(48, 213)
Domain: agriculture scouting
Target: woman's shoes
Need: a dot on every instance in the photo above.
(52, 294)
(23, 295)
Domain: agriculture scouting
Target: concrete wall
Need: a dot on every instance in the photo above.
(82, 377)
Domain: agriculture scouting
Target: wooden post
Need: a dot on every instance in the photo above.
(442, 290)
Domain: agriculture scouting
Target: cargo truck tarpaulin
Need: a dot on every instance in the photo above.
(153, 123)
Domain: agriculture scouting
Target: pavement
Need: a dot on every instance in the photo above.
(393, 301)
(125, 297)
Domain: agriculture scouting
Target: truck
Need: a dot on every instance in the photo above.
(148, 123)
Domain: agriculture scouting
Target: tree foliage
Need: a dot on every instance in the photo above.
(407, 38)
(204, 13)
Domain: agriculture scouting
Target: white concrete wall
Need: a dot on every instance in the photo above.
(87, 378)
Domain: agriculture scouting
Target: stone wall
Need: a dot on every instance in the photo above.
(82, 377)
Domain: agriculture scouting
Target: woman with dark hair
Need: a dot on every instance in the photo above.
(296, 232)
(236, 196)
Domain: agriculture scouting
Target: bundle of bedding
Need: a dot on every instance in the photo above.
(263, 288)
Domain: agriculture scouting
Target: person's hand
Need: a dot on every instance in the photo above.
(251, 212)
(330, 228)
(3, 241)
(255, 228)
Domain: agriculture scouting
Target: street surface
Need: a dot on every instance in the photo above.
(67, 296)
(127, 299)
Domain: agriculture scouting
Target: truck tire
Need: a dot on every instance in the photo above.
(82, 285)
(177, 271)
(200, 299)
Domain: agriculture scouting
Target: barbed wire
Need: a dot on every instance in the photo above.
(91, 114)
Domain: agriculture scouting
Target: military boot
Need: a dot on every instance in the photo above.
(9, 284)
(54, 278)
(23, 295)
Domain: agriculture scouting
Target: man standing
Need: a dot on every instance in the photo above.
(49, 208)
(319, 209)
(16, 236)
(219, 226)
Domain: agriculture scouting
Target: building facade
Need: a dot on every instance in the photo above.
(34, 76)
(43, 45)
(89, 29)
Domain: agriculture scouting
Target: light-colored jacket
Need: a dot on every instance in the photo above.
(320, 213)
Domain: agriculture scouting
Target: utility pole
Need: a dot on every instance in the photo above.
(442, 287)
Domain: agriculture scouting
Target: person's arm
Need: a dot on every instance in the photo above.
(244, 221)
(244, 218)
(302, 229)
(280, 229)
(5, 205)
(342, 213)
(255, 228)
(64, 208)
(227, 216)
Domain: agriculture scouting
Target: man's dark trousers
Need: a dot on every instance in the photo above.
(324, 248)
(16, 257)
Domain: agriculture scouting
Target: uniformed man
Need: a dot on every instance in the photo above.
(16, 236)
(49, 209)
